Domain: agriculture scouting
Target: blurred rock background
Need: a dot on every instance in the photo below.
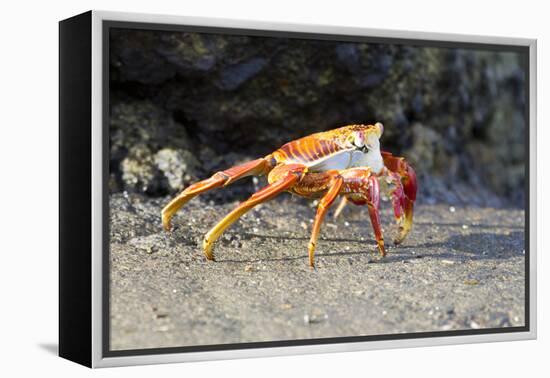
(184, 105)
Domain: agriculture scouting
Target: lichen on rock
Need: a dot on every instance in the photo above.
(178, 166)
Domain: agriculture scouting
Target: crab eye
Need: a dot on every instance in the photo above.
(380, 128)
(359, 140)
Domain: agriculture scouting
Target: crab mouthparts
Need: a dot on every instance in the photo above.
(362, 148)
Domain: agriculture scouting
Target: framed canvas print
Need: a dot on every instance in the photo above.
(234, 188)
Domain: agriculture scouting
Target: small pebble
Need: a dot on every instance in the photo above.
(313, 319)
(346, 224)
(452, 209)
(464, 226)
(471, 282)
(474, 325)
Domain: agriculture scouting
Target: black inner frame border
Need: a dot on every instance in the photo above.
(106, 330)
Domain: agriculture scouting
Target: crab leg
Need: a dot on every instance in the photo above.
(322, 209)
(340, 207)
(362, 188)
(285, 178)
(223, 178)
(373, 203)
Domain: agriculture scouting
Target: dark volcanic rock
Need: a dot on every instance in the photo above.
(456, 114)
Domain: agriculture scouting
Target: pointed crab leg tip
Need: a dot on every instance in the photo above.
(381, 248)
(311, 251)
(166, 224)
(207, 247)
(312, 263)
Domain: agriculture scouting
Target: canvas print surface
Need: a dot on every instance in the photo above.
(434, 159)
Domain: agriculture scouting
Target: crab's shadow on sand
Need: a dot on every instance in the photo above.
(459, 247)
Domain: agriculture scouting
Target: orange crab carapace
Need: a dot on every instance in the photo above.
(344, 162)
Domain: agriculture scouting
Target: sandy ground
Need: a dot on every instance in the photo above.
(460, 268)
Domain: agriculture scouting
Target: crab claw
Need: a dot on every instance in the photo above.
(409, 189)
(404, 193)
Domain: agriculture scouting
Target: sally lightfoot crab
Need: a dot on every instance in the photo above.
(345, 162)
